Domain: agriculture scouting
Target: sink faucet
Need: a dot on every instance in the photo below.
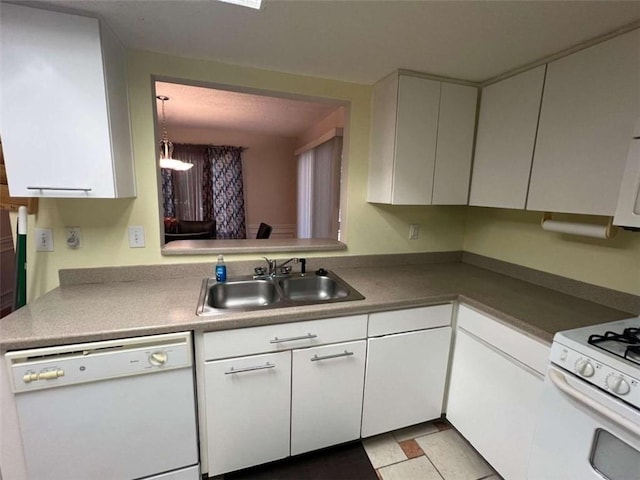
(273, 265)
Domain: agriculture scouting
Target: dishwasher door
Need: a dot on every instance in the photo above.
(108, 411)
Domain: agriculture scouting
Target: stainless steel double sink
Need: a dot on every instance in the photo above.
(249, 293)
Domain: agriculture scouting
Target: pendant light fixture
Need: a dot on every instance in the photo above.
(166, 147)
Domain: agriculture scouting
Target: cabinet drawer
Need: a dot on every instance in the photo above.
(527, 350)
(397, 321)
(286, 336)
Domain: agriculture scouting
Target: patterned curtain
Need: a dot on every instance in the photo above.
(223, 190)
(168, 201)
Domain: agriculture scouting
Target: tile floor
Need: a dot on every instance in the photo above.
(429, 451)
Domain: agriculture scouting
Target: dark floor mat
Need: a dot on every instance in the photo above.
(344, 462)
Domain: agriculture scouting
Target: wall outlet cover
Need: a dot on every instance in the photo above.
(414, 232)
(73, 237)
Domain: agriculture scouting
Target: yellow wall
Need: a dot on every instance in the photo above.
(369, 229)
(507, 235)
(516, 236)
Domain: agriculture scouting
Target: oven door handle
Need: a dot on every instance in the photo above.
(560, 381)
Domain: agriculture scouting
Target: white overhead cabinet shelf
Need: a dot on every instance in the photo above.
(421, 141)
(64, 108)
(505, 141)
(558, 142)
(589, 108)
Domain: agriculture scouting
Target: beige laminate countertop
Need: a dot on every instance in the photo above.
(88, 312)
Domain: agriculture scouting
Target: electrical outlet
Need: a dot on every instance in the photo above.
(44, 239)
(414, 232)
(136, 236)
(73, 237)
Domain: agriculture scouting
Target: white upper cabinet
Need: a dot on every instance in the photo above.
(628, 209)
(591, 102)
(64, 115)
(505, 141)
(421, 141)
(456, 126)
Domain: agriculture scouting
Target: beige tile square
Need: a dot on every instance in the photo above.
(383, 450)
(415, 469)
(415, 431)
(453, 456)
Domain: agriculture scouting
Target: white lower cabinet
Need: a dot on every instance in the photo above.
(286, 389)
(248, 410)
(406, 372)
(326, 395)
(493, 394)
(280, 390)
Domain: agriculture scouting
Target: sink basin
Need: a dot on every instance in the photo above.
(242, 294)
(312, 288)
(248, 293)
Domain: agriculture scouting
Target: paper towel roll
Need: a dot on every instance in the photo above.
(584, 229)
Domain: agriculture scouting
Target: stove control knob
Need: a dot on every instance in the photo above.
(617, 384)
(584, 368)
(158, 358)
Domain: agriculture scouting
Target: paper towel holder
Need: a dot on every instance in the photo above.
(575, 228)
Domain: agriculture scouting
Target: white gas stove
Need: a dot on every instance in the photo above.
(605, 355)
(589, 422)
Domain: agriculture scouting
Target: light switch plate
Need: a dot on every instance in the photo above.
(136, 236)
(414, 232)
(44, 239)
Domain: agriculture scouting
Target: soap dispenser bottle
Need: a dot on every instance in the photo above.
(221, 270)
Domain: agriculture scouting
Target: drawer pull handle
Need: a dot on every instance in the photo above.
(308, 336)
(69, 189)
(250, 369)
(316, 358)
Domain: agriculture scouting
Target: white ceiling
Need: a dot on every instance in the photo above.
(198, 107)
(360, 40)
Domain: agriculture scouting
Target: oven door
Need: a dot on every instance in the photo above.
(584, 433)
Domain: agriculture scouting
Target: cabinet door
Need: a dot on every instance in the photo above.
(456, 125)
(54, 116)
(504, 145)
(384, 107)
(591, 102)
(405, 377)
(247, 411)
(416, 131)
(326, 400)
(493, 402)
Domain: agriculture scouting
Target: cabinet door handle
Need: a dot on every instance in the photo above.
(250, 369)
(316, 358)
(69, 189)
(308, 336)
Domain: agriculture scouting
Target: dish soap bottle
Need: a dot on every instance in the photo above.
(221, 270)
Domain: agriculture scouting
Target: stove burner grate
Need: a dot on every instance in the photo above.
(625, 345)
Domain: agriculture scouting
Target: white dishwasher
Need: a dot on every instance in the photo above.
(116, 409)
